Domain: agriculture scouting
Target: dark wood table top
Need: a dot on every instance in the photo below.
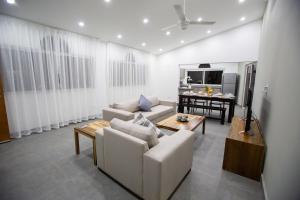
(172, 124)
(205, 96)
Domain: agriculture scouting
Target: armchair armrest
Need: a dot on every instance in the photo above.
(123, 155)
(100, 148)
(166, 164)
(110, 113)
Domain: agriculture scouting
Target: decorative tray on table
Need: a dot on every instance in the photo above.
(182, 118)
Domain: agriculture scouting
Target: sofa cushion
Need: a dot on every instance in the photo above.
(144, 104)
(141, 120)
(144, 133)
(130, 106)
(156, 112)
(154, 100)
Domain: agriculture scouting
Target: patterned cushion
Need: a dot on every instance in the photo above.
(141, 120)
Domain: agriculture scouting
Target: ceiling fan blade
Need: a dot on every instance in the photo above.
(179, 12)
(202, 22)
(169, 27)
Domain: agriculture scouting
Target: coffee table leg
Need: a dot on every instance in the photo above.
(203, 127)
(76, 137)
(94, 152)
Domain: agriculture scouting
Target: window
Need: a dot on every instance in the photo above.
(127, 72)
(53, 67)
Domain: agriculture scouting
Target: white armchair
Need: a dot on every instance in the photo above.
(152, 174)
(166, 164)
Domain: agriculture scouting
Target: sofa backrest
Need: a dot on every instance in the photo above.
(130, 106)
(133, 106)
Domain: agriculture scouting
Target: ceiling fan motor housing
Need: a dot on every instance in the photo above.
(184, 25)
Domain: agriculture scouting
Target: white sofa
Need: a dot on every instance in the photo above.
(152, 174)
(126, 111)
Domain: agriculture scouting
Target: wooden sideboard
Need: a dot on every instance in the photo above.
(244, 154)
(4, 130)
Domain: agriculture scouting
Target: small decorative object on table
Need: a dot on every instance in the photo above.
(209, 90)
(187, 80)
(182, 118)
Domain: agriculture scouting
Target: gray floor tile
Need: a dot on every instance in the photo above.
(44, 166)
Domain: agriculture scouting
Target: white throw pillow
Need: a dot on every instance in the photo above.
(154, 101)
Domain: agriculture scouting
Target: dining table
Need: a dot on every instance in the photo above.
(219, 97)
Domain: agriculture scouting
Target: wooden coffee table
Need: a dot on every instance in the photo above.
(89, 130)
(172, 124)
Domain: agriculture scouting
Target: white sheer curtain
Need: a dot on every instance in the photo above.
(51, 77)
(127, 73)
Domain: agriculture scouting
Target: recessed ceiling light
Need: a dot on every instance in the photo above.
(145, 20)
(160, 50)
(242, 19)
(11, 1)
(107, 1)
(81, 24)
(241, 1)
(144, 44)
(199, 19)
(119, 36)
(181, 41)
(168, 33)
(208, 31)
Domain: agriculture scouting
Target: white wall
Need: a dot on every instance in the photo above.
(279, 109)
(240, 44)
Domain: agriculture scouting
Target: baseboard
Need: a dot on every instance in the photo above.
(5, 141)
(264, 187)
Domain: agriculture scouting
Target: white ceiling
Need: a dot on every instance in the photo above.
(107, 20)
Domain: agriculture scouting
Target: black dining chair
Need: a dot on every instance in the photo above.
(197, 102)
(217, 104)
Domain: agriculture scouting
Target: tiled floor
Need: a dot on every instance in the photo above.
(44, 166)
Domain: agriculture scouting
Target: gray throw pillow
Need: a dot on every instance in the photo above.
(141, 120)
(145, 104)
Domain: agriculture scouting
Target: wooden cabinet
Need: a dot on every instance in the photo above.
(244, 154)
(4, 130)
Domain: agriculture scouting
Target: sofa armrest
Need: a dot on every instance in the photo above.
(110, 113)
(166, 164)
(168, 103)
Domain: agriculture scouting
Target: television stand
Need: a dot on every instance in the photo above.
(244, 153)
(248, 133)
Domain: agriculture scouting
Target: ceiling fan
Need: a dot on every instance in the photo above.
(184, 21)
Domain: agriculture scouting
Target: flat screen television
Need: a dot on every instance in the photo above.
(196, 76)
(213, 77)
(249, 111)
(250, 81)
